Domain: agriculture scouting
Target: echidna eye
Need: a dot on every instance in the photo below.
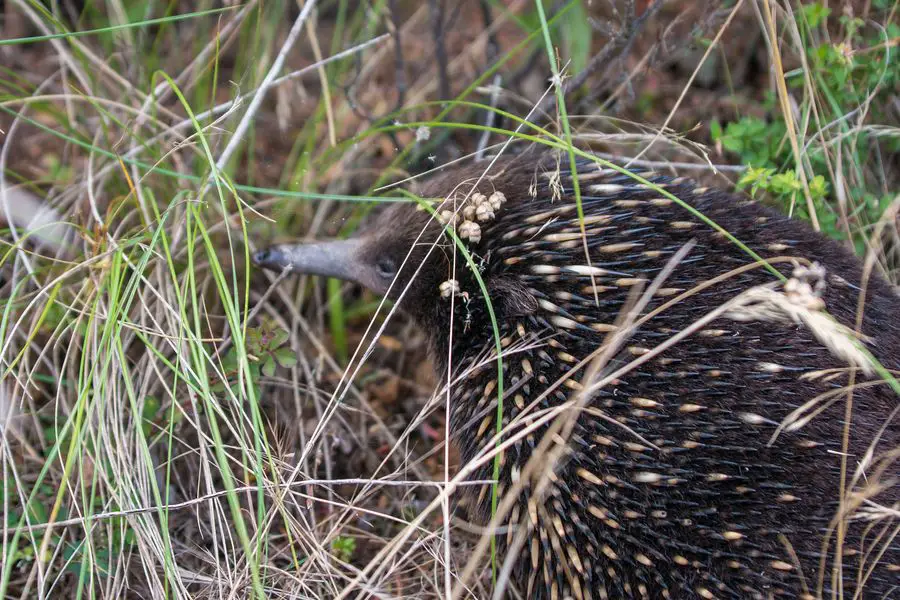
(386, 268)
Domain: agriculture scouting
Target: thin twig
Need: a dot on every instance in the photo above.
(616, 47)
(399, 67)
(436, 11)
(238, 135)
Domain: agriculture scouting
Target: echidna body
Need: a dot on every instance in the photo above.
(672, 484)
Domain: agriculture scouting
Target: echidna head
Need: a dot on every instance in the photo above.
(402, 254)
(406, 255)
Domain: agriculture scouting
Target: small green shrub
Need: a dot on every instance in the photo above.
(848, 72)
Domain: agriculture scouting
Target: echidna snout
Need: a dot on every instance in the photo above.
(351, 260)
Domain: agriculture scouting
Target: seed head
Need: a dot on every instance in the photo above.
(449, 288)
(484, 212)
(497, 199)
(447, 217)
(470, 231)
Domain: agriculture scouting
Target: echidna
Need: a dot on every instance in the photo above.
(716, 468)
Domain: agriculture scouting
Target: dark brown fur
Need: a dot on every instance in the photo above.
(729, 509)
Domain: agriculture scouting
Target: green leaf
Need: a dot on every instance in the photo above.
(229, 361)
(254, 337)
(343, 547)
(818, 188)
(37, 512)
(286, 357)
(757, 178)
(577, 34)
(815, 13)
(268, 368)
(279, 338)
(151, 407)
(337, 318)
(735, 144)
(785, 183)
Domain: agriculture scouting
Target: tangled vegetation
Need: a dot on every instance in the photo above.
(178, 424)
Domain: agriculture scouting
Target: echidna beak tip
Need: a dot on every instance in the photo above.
(269, 258)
